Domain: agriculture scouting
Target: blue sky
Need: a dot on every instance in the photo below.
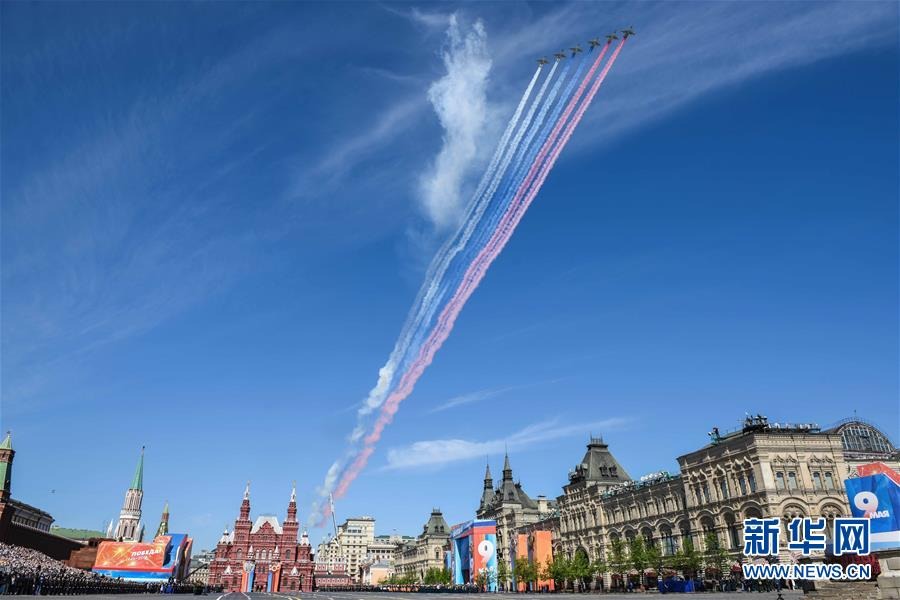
(215, 217)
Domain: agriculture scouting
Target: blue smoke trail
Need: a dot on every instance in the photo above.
(438, 268)
(523, 165)
(460, 243)
(525, 156)
(521, 153)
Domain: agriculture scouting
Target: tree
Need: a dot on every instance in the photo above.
(637, 556)
(437, 576)
(687, 559)
(618, 563)
(481, 579)
(525, 572)
(401, 579)
(503, 573)
(599, 567)
(557, 569)
(653, 556)
(545, 571)
(716, 556)
(580, 568)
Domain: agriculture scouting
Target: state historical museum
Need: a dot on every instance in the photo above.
(263, 556)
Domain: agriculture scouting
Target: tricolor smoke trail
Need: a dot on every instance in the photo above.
(526, 153)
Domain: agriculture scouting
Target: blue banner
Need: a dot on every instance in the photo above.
(877, 498)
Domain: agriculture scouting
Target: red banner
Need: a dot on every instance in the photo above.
(127, 556)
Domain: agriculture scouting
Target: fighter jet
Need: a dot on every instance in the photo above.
(575, 50)
(594, 43)
(542, 61)
(612, 36)
(627, 32)
(560, 55)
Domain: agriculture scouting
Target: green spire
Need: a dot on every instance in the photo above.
(7, 442)
(138, 482)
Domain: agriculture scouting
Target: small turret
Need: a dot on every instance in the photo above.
(488, 493)
(292, 505)
(7, 454)
(163, 528)
(245, 504)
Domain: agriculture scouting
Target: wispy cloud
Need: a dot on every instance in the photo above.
(417, 16)
(342, 158)
(685, 51)
(471, 398)
(460, 100)
(486, 394)
(437, 453)
(136, 238)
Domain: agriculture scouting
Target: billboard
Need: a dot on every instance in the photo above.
(536, 547)
(474, 552)
(167, 556)
(876, 496)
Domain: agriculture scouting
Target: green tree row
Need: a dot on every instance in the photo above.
(433, 576)
(622, 557)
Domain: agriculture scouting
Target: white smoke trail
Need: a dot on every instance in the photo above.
(530, 187)
(424, 306)
(439, 283)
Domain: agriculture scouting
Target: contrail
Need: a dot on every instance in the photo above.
(537, 157)
(526, 193)
(529, 156)
(517, 149)
(440, 282)
(425, 304)
(511, 219)
(439, 265)
(551, 140)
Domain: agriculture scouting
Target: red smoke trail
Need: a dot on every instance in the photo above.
(502, 232)
(512, 217)
(478, 268)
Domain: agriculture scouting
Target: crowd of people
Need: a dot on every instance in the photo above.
(396, 587)
(24, 571)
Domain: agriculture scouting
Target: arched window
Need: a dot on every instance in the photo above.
(669, 546)
(734, 537)
(647, 534)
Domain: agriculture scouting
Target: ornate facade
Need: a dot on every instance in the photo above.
(263, 546)
(511, 507)
(350, 547)
(762, 469)
(426, 551)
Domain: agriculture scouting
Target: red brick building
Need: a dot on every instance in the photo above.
(263, 555)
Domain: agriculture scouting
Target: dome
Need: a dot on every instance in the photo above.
(859, 437)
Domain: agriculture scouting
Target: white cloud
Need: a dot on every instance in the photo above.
(436, 453)
(459, 98)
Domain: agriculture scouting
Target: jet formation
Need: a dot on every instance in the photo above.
(593, 43)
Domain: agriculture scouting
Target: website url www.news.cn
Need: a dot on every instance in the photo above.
(811, 571)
